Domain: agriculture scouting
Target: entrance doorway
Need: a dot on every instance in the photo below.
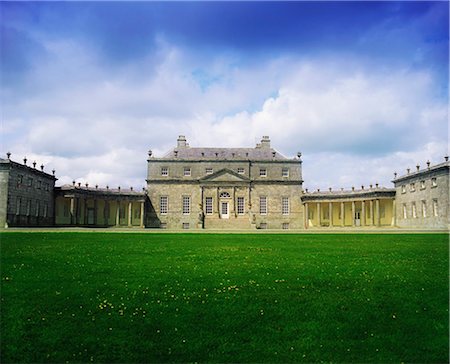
(358, 218)
(224, 210)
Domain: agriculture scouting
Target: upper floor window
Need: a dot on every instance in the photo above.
(285, 172)
(164, 171)
(240, 205)
(209, 170)
(186, 171)
(186, 205)
(209, 205)
(433, 182)
(412, 187)
(39, 185)
(164, 205)
(224, 195)
(241, 170)
(263, 205)
(263, 172)
(285, 205)
(403, 188)
(422, 185)
(46, 186)
(19, 180)
(30, 182)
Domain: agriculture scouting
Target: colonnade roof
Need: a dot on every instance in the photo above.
(83, 191)
(369, 193)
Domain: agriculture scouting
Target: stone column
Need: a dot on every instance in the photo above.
(371, 213)
(342, 214)
(353, 213)
(141, 224)
(130, 213)
(118, 213)
(106, 212)
(95, 212)
(218, 202)
(85, 211)
(306, 213)
(330, 213)
(77, 212)
(394, 215)
(363, 213)
(318, 214)
(377, 211)
(72, 211)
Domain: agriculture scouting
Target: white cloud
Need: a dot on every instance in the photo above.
(95, 123)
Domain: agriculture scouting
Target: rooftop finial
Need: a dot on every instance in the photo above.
(131, 188)
(73, 183)
(428, 164)
(53, 171)
(408, 170)
(79, 184)
(418, 168)
(376, 185)
(446, 158)
(150, 153)
(42, 167)
(8, 155)
(25, 161)
(395, 174)
(96, 187)
(34, 164)
(87, 185)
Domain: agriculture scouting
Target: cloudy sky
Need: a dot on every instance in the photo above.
(359, 88)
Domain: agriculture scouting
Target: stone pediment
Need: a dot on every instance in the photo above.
(225, 175)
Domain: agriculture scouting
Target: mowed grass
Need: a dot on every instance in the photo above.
(106, 297)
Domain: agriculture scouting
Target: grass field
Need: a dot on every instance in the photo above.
(99, 297)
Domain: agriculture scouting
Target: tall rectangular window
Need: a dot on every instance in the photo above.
(285, 205)
(412, 187)
(19, 180)
(186, 205)
(39, 184)
(28, 207)
(405, 213)
(18, 203)
(187, 171)
(240, 205)
(164, 205)
(403, 188)
(45, 209)
(263, 172)
(30, 182)
(38, 207)
(414, 211)
(422, 185)
(285, 172)
(263, 205)
(435, 208)
(424, 208)
(209, 205)
(433, 182)
(164, 171)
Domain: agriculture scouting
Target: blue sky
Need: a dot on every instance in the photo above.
(89, 87)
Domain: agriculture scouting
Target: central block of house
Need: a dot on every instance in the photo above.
(224, 188)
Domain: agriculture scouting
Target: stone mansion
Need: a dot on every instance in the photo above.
(224, 188)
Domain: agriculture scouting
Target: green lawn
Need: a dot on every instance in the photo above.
(99, 297)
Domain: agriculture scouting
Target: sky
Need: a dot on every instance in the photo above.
(359, 88)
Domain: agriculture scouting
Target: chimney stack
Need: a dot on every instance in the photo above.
(181, 142)
(265, 142)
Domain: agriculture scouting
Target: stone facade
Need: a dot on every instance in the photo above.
(224, 188)
(26, 194)
(422, 197)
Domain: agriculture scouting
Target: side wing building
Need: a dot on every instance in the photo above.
(224, 188)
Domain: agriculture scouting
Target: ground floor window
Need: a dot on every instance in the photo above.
(185, 225)
(263, 205)
(38, 207)
(263, 225)
(414, 211)
(209, 205)
(163, 225)
(424, 209)
(285, 205)
(285, 226)
(405, 214)
(435, 207)
(186, 205)
(240, 205)
(164, 204)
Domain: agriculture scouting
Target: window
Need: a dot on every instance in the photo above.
(18, 203)
(435, 208)
(38, 207)
(187, 171)
(39, 185)
(45, 209)
(224, 195)
(30, 182)
(263, 205)
(163, 225)
(241, 170)
(405, 214)
(412, 187)
(209, 205)
(382, 212)
(19, 180)
(433, 182)
(137, 213)
(285, 205)
(185, 225)
(422, 185)
(263, 172)
(263, 225)
(164, 171)
(240, 205)
(164, 205)
(66, 210)
(285, 172)
(310, 214)
(285, 226)
(403, 188)
(209, 170)
(186, 205)
(46, 186)
(414, 211)
(28, 207)
(424, 208)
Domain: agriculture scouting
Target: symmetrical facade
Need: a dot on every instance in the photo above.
(26, 194)
(224, 188)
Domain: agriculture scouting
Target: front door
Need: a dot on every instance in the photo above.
(358, 218)
(224, 210)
